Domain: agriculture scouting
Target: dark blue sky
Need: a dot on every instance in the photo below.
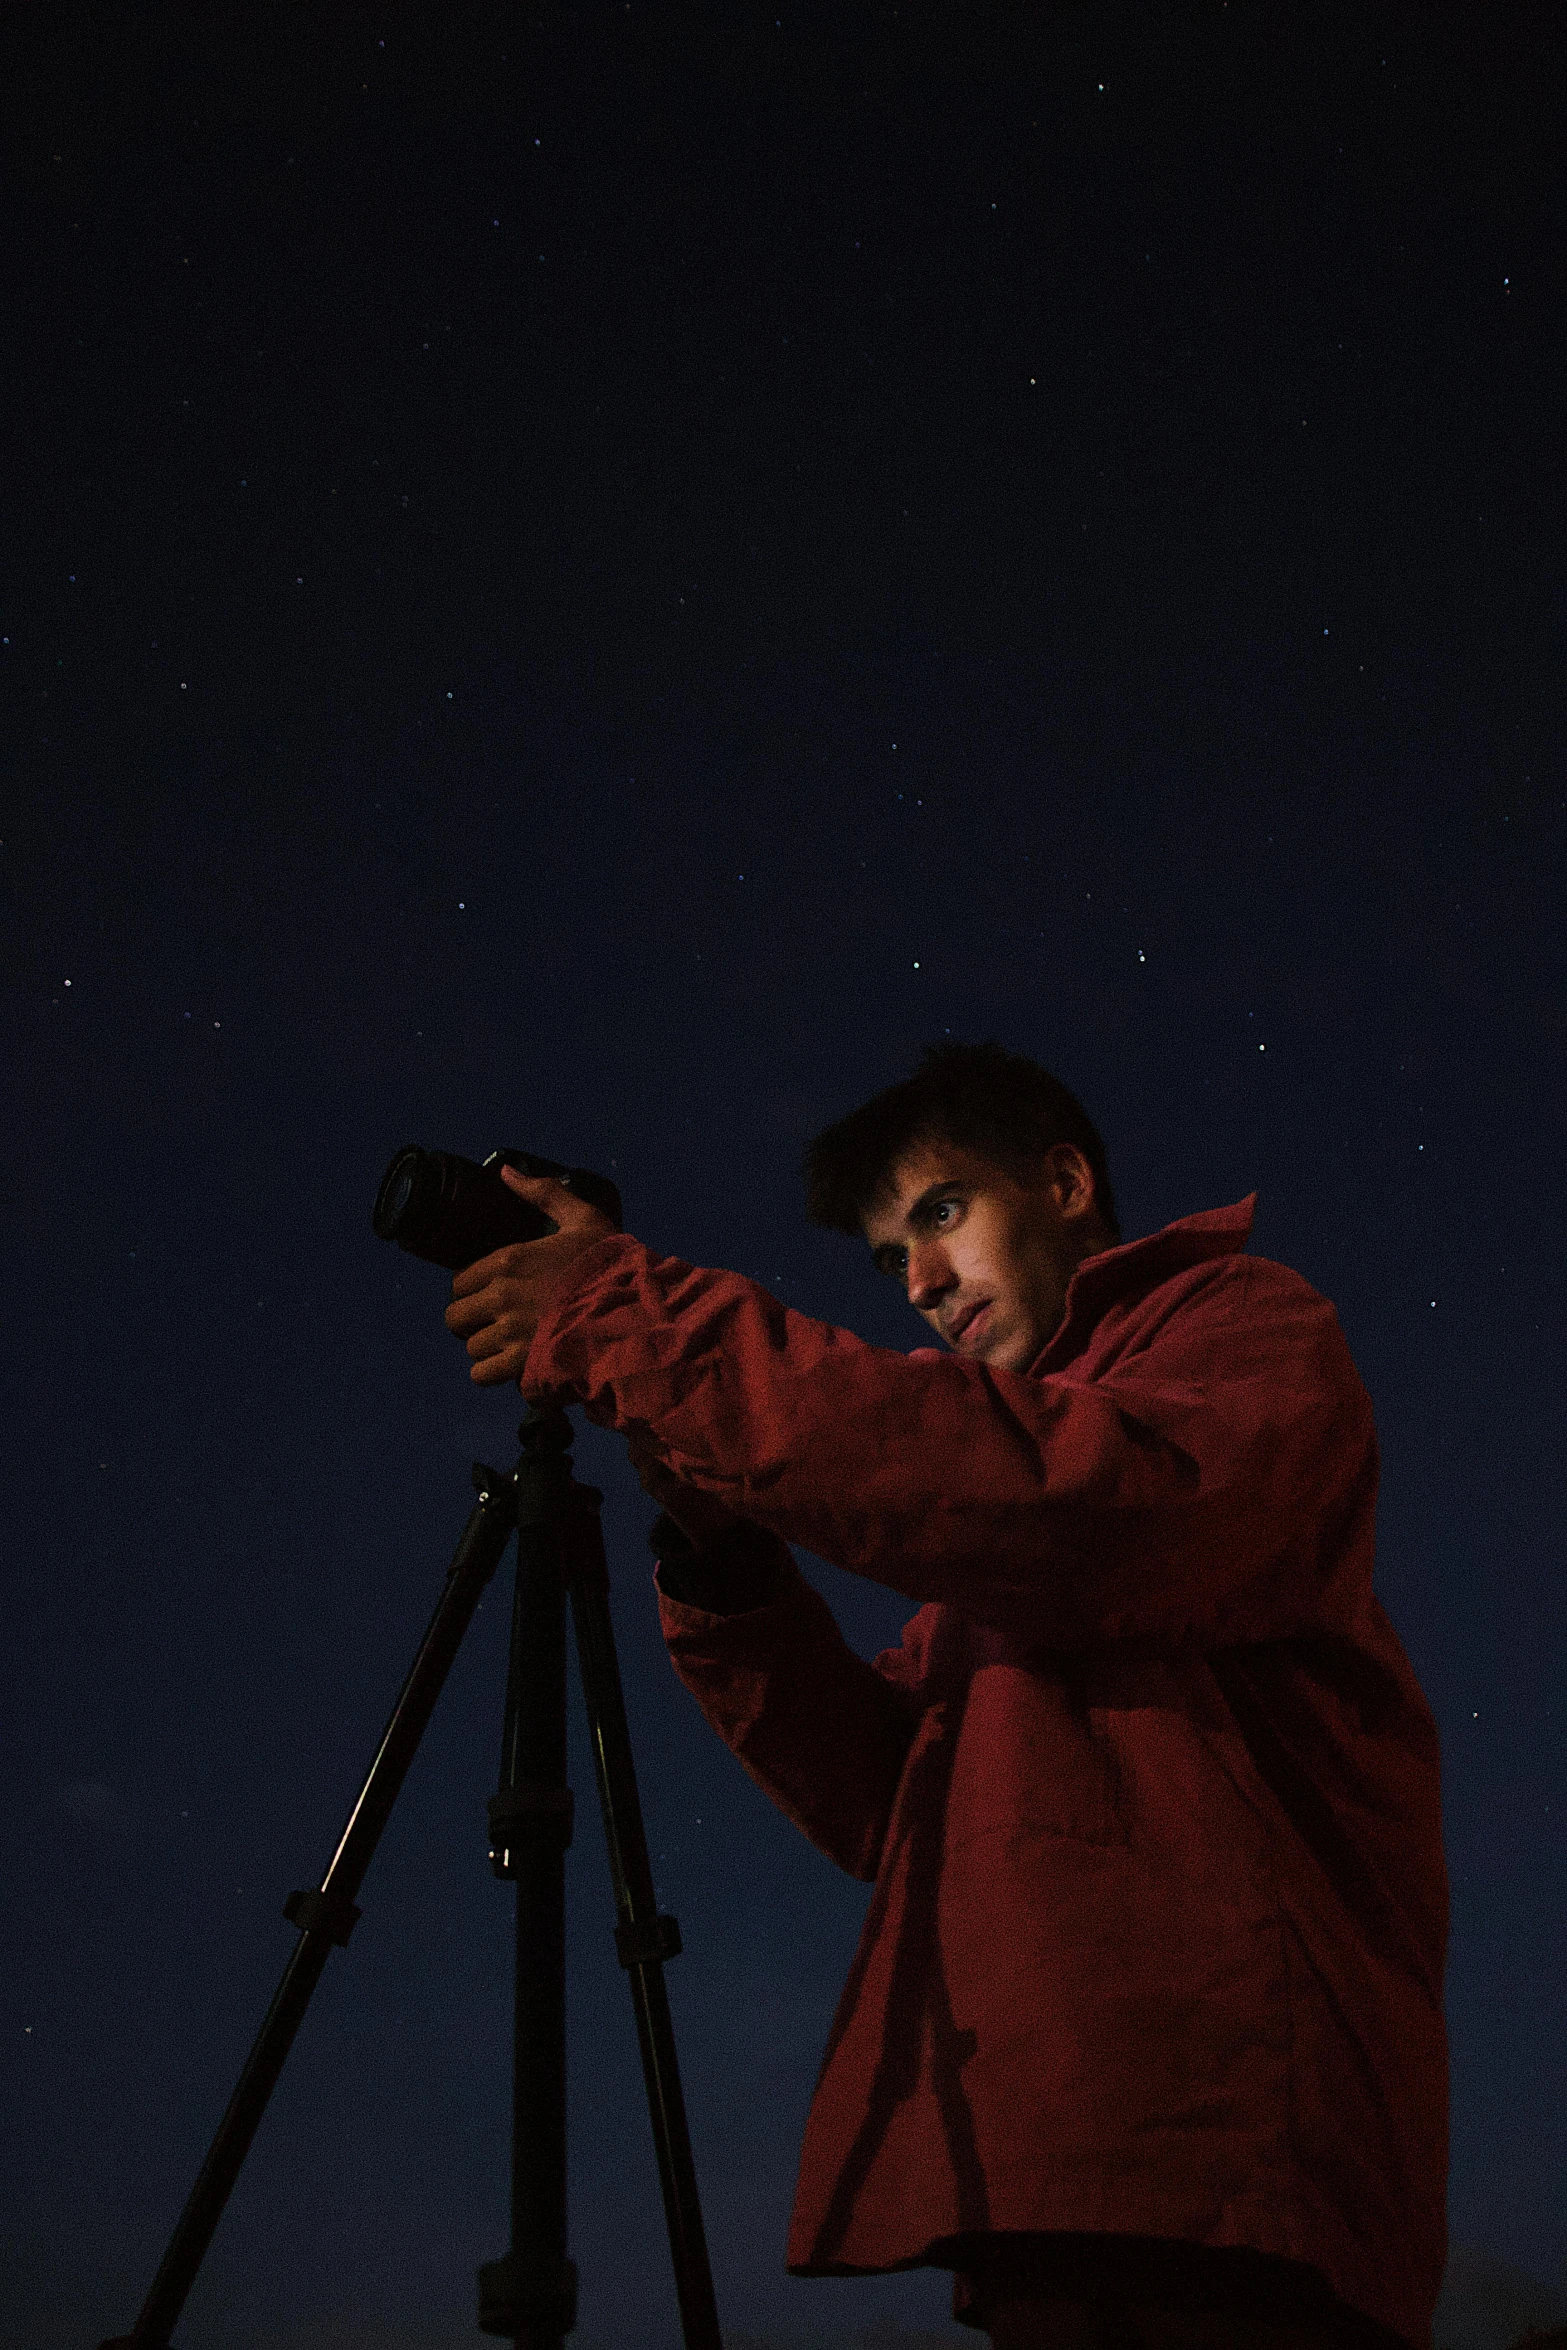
(593, 577)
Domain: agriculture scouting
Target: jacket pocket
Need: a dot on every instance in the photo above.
(1029, 1755)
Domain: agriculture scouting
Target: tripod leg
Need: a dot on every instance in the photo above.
(530, 2297)
(643, 1939)
(327, 1915)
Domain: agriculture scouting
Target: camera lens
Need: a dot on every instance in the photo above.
(410, 1196)
(451, 1211)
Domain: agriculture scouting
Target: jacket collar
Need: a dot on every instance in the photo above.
(1137, 1266)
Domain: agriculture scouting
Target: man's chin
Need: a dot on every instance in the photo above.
(1007, 1350)
(997, 1344)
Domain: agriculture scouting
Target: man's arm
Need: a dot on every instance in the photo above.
(1200, 1489)
(821, 1732)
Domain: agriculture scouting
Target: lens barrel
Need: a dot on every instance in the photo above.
(451, 1211)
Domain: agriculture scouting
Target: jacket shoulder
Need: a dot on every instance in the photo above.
(1236, 1288)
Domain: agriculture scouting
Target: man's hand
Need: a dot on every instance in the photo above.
(498, 1303)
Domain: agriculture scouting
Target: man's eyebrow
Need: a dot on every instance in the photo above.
(883, 1258)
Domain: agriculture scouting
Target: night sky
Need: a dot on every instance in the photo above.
(593, 577)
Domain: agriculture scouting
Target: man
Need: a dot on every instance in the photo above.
(1144, 2038)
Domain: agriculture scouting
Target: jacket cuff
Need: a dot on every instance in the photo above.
(596, 1259)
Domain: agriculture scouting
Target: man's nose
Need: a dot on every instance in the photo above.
(930, 1277)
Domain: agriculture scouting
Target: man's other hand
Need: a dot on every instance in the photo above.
(498, 1303)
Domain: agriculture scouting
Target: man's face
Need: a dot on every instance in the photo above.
(984, 1258)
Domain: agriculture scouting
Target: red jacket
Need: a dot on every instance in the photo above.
(1149, 1790)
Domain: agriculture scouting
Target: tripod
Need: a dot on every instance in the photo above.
(528, 2297)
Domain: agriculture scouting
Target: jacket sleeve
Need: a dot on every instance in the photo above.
(823, 1733)
(1201, 1488)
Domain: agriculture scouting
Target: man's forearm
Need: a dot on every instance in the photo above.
(822, 1732)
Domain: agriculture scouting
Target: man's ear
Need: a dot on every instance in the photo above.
(1072, 1181)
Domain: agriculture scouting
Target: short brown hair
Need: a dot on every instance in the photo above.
(976, 1096)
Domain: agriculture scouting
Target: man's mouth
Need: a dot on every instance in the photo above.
(969, 1320)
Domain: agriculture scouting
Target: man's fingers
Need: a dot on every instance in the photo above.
(563, 1206)
(496, 1304)
(538, 1188)
(484, 1270)
(468, 1314)
(494, 1337)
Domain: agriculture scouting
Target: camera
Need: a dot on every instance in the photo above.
(451, 1211)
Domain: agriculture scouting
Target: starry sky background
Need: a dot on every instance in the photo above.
(593, 577)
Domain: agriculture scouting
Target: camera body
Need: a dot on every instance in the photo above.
(451, 1211)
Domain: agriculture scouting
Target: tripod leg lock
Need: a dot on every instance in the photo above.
(647, 1941)
(315, 1912)
(530, 1800)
